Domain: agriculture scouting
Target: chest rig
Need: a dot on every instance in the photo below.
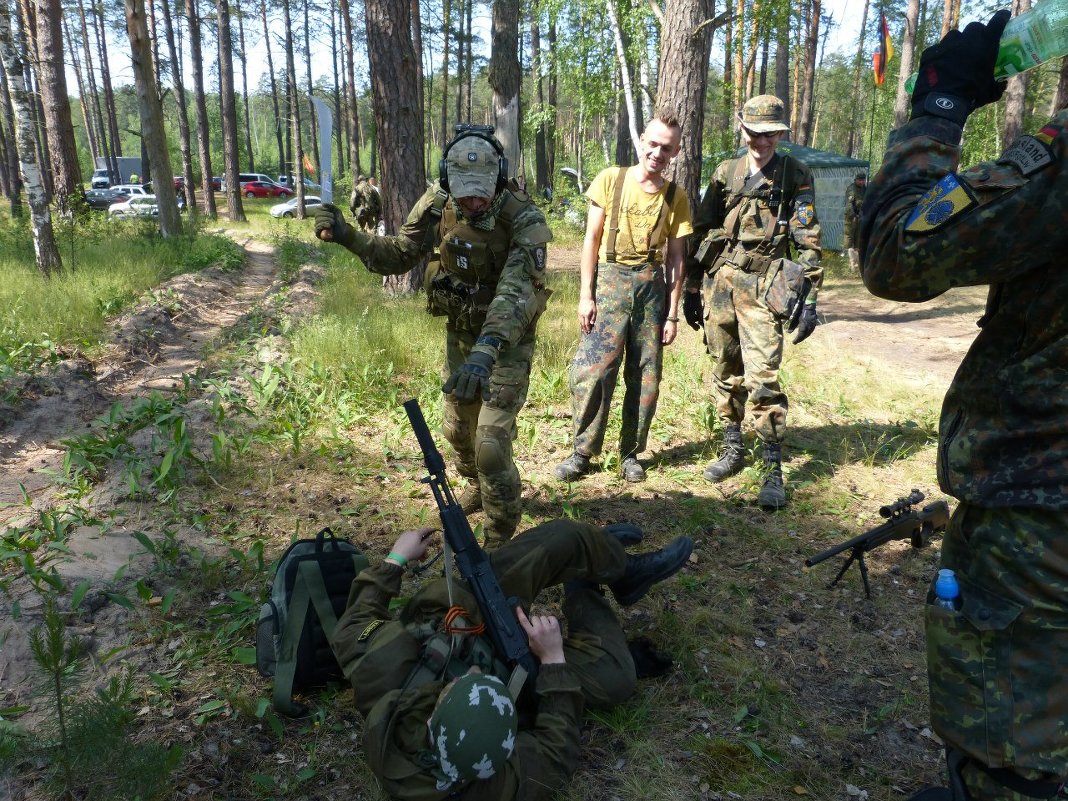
(769, 196)
(471, 254)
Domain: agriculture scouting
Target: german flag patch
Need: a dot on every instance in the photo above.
(943, 201)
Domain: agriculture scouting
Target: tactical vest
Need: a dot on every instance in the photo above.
(461, 281)
(446, 656)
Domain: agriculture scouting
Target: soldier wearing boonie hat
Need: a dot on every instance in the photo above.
(757, 213)
(764, 114)
(487, 245)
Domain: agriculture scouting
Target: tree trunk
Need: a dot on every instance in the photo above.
(446, 13)
(94, 95)
(231, 155)
(398, 132)
(460, 4)
(66, 172)
(244, 86)
(44, 242)
(274, 88)
(782, 64)
(338, 111)
(83, 94)
(812, 40)
(551, 125)
(183, 111)
(852, 144)
(1015, 91)
(467, 58)
(754, 34)
(151, 111)
(313, 122)
(294, 112)
(628, 93)
(99, 27)
(26, 38)
(351, 120)
(193, 18)
(948, 23)
(737, 57)
(541, 160)
(901, 102)
(504, 77)
(11, 130)
(685, 47)
(804, 7)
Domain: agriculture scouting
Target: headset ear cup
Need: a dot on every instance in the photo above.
(443, 173)
(502, 174)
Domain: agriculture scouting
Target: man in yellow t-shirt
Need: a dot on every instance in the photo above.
(630, 284)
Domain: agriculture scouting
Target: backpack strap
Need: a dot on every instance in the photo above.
(308, 591)
(661, 223)
(433, 217)
(613, 217)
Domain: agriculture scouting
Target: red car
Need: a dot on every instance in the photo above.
(264, 189)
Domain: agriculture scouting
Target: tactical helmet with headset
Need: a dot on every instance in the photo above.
(484, 132)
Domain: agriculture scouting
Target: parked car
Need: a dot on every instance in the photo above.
(289, 182)
(140, 206)
(134, 190)
(264, 189)
(179, 183)
(289, 208)
(217, 183)
(102, 199)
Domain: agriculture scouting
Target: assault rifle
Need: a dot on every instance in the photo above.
(903, 522)
(509, 639)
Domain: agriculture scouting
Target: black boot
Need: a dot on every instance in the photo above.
(733, 459)
(644, 571)
(773, 494)
(626, 533)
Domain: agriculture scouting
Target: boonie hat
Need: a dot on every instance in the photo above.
(764, 114)
(472, 729)
(473, 165)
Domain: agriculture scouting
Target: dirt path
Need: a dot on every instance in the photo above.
(162, 339)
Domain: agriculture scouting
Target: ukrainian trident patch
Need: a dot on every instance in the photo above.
(943, 201)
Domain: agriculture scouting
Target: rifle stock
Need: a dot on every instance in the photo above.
(903, 523)
(472, 561)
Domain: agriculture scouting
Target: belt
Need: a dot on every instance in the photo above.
(633, 268)
(748, 262)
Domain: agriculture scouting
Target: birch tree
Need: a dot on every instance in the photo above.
(44, 242)
(55, 103)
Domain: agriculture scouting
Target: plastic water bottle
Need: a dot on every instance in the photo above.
(1029, 39)
(947, 590)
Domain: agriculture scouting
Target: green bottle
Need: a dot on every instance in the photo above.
(1029, 39)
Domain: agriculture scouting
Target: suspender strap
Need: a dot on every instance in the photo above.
(613, 217)
(433, 216)
(308, 590)
(661, 223)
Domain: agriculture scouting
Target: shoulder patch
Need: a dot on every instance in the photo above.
(805, 213)
(1029, 154)
(943, 201)
(367, 632)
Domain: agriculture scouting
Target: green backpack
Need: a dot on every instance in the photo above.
(309, 592)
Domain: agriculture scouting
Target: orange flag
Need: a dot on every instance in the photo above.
(308, 166)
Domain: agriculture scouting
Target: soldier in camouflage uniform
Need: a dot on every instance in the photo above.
(629, 285)
(999, 687)
(477, 747)
(486, 277)
(854, 200)
(365, 204)
(740, 291)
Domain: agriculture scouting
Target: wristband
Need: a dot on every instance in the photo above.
(397, 559)
(672, 319)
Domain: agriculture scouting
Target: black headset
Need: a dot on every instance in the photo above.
(484, 132)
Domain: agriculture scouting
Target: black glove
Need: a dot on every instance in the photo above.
(693, 309)
(806, 323)
(956, 75)
(329, 217)
(473, 375)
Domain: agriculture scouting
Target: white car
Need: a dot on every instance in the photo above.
(139, 206)
(289, 208)
(133, 190)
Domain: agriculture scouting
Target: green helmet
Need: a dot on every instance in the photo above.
(472, 729)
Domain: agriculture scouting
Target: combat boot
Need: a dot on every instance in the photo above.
(470, 499)
(574, 466)
(773, 494)
(633, 470)
(733, 459)
(645, 570)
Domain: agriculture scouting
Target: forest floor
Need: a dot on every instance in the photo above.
(116, 538)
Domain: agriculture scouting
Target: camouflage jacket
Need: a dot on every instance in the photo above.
(784, 175)
(854, 199)
(1003, 437)
(378, 653)
(518, 297)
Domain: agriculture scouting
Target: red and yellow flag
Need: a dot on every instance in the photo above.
(884, 53)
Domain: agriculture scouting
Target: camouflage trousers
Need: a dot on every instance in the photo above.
(481, 434)
(849, 232)
(595, 647)
(744, 340)
(631, 307)
(999, 689)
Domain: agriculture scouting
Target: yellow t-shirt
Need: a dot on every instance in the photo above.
(638, 213)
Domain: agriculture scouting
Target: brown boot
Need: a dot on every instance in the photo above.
(470, 499)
